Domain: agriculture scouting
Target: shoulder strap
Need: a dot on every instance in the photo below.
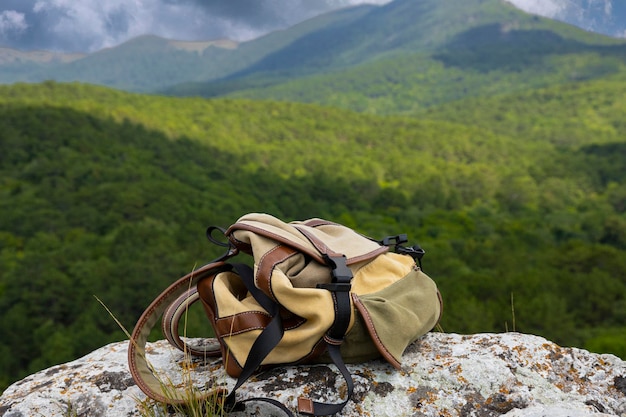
(140, 369)
(273, 333)
(264, 343)
(340, 290)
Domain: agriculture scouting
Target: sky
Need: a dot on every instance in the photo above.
(90, 25)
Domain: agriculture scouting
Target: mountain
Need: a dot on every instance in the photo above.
(443, 37)
(16, 65)
(150, 63)
(439, 52)
(412, 83)
(140, 64)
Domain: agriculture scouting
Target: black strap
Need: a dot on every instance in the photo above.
(340, 290)
(262, 346)
(308, 407)
(273, 333)
(231, 249)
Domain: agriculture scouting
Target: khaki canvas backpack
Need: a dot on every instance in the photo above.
(317, 292)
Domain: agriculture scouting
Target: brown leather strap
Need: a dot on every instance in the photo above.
(171, 322)
(263, 276)
(140, 369)
(317, 243)
(276, 237)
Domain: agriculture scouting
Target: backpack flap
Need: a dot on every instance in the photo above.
(396, 304)
(315, 237)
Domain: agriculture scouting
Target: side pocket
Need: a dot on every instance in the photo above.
(399, 314)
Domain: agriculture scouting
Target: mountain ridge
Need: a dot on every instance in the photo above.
(494, 42)
(336, 41)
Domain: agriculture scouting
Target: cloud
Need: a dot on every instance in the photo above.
(11, 23)
(602, 16)
(547, 8)
(90, 25)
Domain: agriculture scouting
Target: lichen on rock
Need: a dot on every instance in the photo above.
(481, 375)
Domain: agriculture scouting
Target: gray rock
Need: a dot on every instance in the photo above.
(482, 375)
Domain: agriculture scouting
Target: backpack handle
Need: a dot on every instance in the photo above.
(140, 369)
(171, 321)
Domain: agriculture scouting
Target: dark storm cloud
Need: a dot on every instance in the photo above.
(89, 25)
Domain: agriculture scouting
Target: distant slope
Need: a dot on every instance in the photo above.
(412, 83)
(242, 127)
(438, 54)
(140, 64)
(16, 65)
(150, 63)
(570, 114)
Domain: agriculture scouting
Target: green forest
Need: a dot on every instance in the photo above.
(518, 199)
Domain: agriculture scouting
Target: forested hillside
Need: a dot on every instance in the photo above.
(413, 83)
(519, 201)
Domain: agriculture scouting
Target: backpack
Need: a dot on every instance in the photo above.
(319, 292)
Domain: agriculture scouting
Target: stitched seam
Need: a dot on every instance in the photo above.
(246, 330)
(271, 270)
(367, 317)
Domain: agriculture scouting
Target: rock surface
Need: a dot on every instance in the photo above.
(483, 375)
